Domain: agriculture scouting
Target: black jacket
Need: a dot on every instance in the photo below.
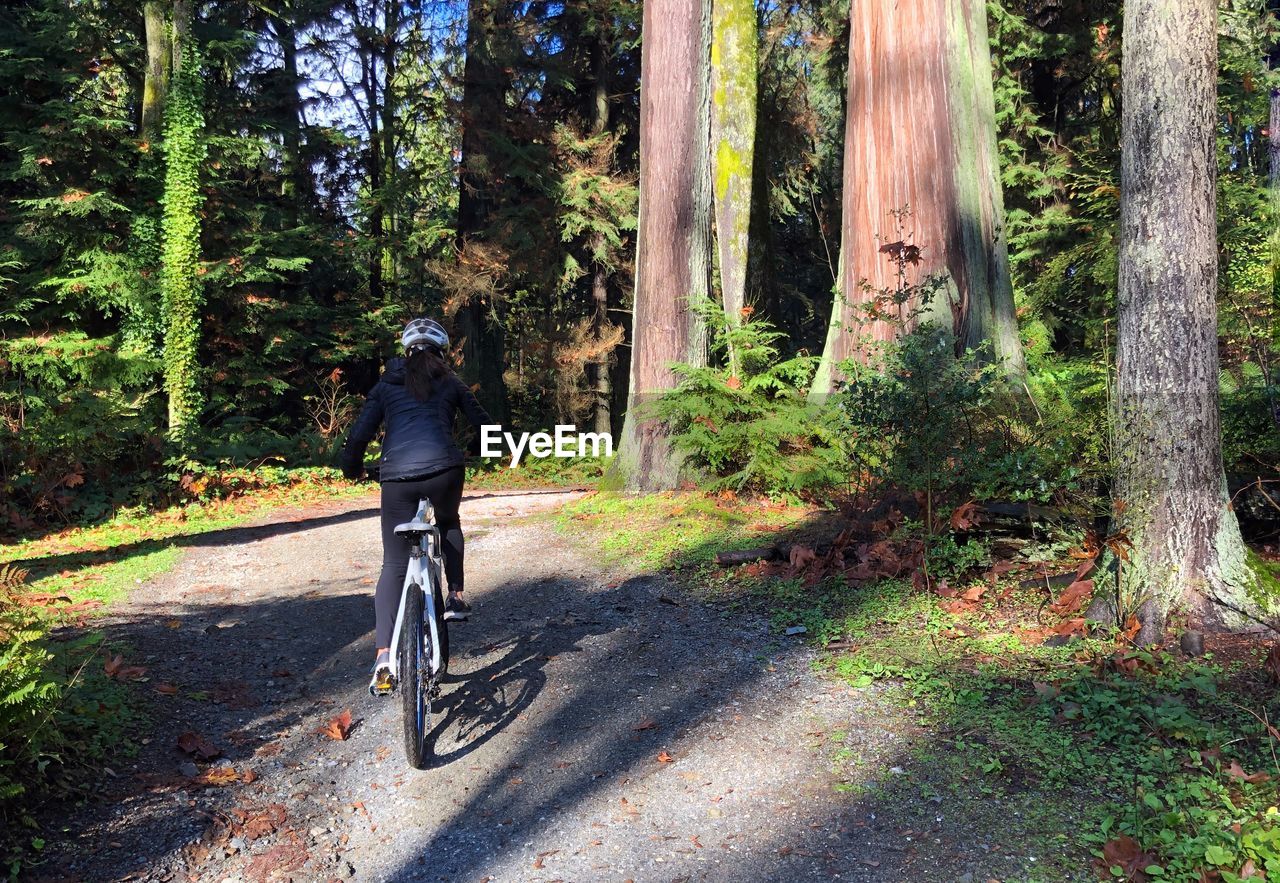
(419, 439)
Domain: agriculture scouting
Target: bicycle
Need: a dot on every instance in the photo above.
(420, 637)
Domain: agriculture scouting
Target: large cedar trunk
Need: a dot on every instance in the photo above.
(673, 240)
(483, 108)
(1170, 491)
(920, 135)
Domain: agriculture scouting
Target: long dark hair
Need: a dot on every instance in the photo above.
(424, 368)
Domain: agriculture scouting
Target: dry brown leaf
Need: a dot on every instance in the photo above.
(966, 516)
(1073, 626)
(537, 862)
(1273, 662)
(1125, 853)
(1072, 599)
(166, 689)
(218, 776)
(197, 746)
(1236, 771)
(664, 757)
(647, 724)
(339, 728)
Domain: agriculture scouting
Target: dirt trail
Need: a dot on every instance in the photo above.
(599, 727)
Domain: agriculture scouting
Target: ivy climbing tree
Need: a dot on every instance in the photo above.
(184, 149)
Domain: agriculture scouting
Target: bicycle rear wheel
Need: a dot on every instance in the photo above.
(415, 672)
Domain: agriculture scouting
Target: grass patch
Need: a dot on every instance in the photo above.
(103, 562)
(1083, 750)
(678, 529)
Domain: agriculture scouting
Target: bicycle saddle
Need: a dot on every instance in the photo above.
(421, 521)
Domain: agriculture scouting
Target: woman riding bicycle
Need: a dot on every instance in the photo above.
(416, 399)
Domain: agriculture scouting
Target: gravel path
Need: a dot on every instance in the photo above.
(600, 727)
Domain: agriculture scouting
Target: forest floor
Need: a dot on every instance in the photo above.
(604, 722)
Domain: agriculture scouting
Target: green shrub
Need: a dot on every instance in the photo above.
(755, 430)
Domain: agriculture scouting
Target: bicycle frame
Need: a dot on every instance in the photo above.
(425, 571)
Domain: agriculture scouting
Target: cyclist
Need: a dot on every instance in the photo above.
(416, 399)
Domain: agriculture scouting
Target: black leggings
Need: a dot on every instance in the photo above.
(399, 503)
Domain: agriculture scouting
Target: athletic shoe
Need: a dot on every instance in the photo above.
(382, 683)
(456, 610)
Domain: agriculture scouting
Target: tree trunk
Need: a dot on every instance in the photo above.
(1170, 491)
(182, 295)
(156, 80)
(484, 89)
(294, 184)
(602, 387)
(733, 134)
(1273, 141)
(183, 13)
(388, 197)
(920, 135)
(671, 247)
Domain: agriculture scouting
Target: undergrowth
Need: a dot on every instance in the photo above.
(1168, 765)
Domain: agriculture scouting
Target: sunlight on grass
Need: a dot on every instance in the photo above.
(103, 562)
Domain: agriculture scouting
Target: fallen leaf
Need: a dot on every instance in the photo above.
(218, 776)
(1073, 626)
(1273, 662)
(197, 746)
(537, 862)
(166, 689)
(664, 757)
(647, 724)
(801, 555)
(973, 594)
(249, 777)
(1235, 771)
(1124, 853)
(1075, 595)
(965, 517)
(339, 728)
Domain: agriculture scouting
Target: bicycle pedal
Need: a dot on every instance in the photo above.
(383, 687)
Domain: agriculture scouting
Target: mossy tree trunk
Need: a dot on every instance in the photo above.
(733, 135)
(920, 134)
(1170, 490)
(155, 84)
(184, 151)
(673, 240)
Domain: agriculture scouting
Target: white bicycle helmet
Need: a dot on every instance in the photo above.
(424, 332)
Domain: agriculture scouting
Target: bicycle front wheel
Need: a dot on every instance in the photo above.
(415, 672)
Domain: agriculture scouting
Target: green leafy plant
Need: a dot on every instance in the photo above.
(753, 429)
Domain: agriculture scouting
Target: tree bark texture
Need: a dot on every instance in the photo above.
(920, 135)
(672, 248)
(1170, 489)
(733, 135)
(155, 84)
